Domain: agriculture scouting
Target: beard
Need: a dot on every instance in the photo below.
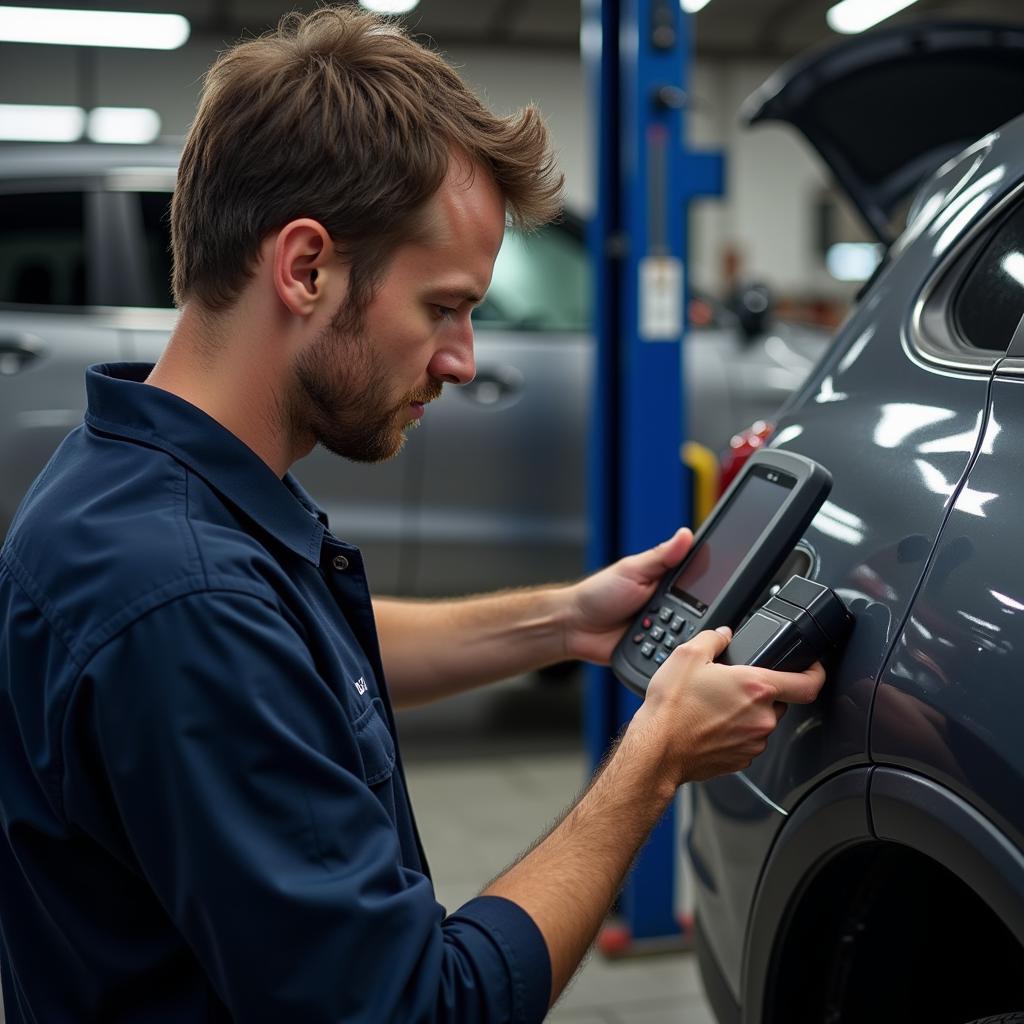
(341, 395)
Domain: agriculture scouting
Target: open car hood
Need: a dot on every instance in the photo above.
(887, 108)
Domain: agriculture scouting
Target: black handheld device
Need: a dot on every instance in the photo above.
(735, 554)
(802, 623)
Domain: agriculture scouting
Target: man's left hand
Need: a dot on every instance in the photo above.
(603, 605)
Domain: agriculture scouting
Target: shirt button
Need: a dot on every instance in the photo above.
(340, 563)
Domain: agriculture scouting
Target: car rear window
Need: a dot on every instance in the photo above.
(990, 302)
(42, 249)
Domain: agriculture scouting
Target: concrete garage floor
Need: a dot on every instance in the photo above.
(489, 772)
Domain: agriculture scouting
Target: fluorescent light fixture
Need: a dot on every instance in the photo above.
(37, 123)
(853, 261)
(852, 16)
(93, 28)
(693, 6)
(123, 124)
(389, 6)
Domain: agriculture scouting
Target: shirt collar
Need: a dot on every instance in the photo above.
(119, 403)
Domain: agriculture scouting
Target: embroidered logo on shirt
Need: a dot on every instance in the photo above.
(360, 685)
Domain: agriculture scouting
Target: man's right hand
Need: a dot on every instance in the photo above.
(710, 719)
(699, 719)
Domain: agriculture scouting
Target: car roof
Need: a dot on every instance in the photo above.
(54, 162)
(63, 160)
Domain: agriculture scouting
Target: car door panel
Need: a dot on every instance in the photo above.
(951, 699)
(503, 495)
(872, 537)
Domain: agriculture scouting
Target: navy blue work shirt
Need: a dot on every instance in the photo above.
(203, 810)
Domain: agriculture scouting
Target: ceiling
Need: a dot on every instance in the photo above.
(725, 29)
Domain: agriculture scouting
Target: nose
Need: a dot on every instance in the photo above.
(454, 362)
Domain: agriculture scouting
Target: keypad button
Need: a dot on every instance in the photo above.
(669, 642)
(646, 622)
(657, 633)
(665, 614)
(647, 650)
(638, 638)
(677, 624)
(661, 657)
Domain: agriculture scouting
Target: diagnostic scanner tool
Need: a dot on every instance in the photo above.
(735, 554)
(802, 623)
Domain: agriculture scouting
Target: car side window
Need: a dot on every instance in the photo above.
(990, 301)
(541, 282)
(42, 249)
(155, 209)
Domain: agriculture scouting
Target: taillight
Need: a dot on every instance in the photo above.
(741, 447)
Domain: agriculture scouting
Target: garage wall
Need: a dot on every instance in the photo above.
(774, 183)
(767, 216)
(773, 180)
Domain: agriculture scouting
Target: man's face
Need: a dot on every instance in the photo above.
(358, 388)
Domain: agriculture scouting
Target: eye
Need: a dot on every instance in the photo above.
(444, 312)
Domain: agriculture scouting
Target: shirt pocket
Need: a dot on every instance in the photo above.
(376, 747)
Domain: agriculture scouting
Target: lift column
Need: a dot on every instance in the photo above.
(638, 56)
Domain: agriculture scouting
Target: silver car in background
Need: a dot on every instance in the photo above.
(490, 492)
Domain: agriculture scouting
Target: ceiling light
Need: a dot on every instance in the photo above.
(857, 15)
(37, 123)
(389, 6)
(123, 124)
(93, 28)
(693, 6)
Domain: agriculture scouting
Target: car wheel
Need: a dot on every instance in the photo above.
(1000, 1018)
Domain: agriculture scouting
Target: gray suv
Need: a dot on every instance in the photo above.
(869, 865)
(489, 492)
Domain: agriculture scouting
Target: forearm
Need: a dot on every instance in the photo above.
(434, 649)
(699, 719)
(568, 882)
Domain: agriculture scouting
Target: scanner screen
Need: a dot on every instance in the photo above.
(727, 543)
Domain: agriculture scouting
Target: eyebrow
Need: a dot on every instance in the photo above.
(461, 293)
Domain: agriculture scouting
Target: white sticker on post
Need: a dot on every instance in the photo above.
(661, 298)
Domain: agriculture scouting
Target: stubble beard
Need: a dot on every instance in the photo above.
(341, 395)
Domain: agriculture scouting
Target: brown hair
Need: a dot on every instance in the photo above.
(339, 116)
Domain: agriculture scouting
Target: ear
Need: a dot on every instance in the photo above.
(305, 267)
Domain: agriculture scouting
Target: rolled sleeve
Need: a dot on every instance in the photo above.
(242, 788)
(526, 963)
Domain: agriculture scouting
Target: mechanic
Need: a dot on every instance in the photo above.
(203, 806)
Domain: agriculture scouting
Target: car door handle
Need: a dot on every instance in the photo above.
(17, 351)
(494, 386)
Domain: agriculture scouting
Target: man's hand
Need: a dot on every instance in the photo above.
(603, 605)
(709, 719)
(699, 719)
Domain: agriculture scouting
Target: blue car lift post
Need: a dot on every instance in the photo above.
(638, 58)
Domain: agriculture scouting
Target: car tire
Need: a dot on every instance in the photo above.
(1001, 1018)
